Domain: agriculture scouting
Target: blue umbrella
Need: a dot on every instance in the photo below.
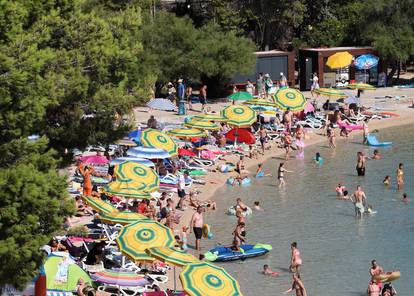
(366, 61)
(161, 104)
(135, 135)
(143, 161)
(148, 153)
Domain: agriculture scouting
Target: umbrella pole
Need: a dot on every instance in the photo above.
(175, 281)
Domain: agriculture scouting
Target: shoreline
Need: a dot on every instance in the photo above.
(216, 180)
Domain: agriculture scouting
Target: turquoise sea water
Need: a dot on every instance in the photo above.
(336, 247)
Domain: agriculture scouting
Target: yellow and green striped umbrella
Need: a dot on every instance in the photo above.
(290, 98)
(331, 92)
(133, 175)
(128, 190)
(172, 256)
(202, 125)
(122, 218)
(186, 133)
(240, 96)
(239, 115)
(260, 102)
(204, 279)
(208, 117)
(135, 238)
(339, 60)
(361, 86)
(155, 138)
(98, 204)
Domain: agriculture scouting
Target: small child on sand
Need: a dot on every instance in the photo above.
(268, 271)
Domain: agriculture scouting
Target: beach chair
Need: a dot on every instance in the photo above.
(124, 290)
(203, 161)
(92, 268)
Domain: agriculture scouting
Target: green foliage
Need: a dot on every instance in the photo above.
(32, 207)
(391, 28)
(180, 50)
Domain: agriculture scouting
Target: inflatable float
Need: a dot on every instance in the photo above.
(244, 182)
(372, 141)
(207, 231)
(352, 127)
(388, 277)
(232, 211)
(221, 253)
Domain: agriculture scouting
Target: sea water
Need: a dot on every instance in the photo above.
(336, 248)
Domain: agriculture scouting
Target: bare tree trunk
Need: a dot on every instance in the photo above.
(391, 74)
(398, 71)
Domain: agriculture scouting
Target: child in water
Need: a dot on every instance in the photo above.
(256, 206)
(268, 271)
(387, 180)
(260, 172)
(331, 136)
(340, 189)
(318, 158)
(405, 198)
(345, 195)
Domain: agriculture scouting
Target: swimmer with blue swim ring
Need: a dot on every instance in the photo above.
(260, 173)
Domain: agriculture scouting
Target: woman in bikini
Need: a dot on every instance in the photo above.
(360, 167)
(281, 174)
(295, 259)
(400, 176)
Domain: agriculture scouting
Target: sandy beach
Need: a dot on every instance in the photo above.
(400, 104)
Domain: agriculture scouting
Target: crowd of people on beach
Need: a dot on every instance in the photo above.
(284, 130)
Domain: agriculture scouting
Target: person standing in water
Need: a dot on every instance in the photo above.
(400, 176)
(295, 259)
(361, 161)
(359, 199)
(297, 286)
(281, 174)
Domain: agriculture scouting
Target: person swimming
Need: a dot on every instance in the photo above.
(256, 206)
(405, 198)
(345, 195)
(340, 189)
(376, 155)
(318, 158)
(387, 180)
(268, 271)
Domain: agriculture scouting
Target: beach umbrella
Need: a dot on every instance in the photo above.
(94, 159)
(240, 96)
(98, 204)
(120, 278)
(202, 125)
(331, 92)
(185, 152)
(148, 153)
(161, 104)
(239, 115)
(208, 117)
(260, 102)
(290, 98)
(205, 279)
(241, 135)
(339, 60)
(361, 86)
(135, 135)
(127, 190)
(122, 218)
(187, 133)
(126, 142)
(157, 139)
(143, 161)
(309, 108)
(366, 61)
(137, 176)
(135, 238)
(172, 256)
(62, 274)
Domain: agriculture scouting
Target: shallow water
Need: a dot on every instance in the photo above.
(336, 247)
